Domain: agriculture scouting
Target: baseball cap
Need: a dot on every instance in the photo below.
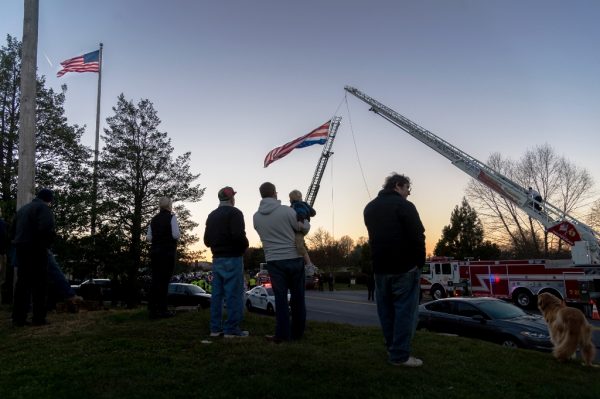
(226, 193)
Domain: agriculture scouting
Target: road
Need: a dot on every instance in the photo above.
(352, 307)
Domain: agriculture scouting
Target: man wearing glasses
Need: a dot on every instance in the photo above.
(397, 240)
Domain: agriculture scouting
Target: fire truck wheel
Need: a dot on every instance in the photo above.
(523, 299)
(509, 342)
(437, 292)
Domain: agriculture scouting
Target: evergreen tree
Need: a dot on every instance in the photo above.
(137, 167)
(463, 237)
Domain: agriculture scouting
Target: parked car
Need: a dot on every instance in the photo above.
(488, 319)
(94, 289)
(261, 297)
(180, 294)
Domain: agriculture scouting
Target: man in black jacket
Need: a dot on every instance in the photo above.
(163, 234)
(225, 235)
(33, 234)
(397, 240)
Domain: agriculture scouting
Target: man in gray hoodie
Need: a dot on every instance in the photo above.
(276, 225)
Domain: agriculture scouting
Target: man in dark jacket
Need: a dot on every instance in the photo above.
(397, 240)
(225, 235)
(33, 234)
(163, 234)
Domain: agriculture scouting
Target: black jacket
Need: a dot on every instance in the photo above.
(162, 233)
(225, 232)
(34, 225)
(396, 234)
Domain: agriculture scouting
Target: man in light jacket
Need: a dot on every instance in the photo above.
(276, 225)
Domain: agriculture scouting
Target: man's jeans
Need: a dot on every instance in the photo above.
(288, 274)
(397, 298)
(228, 284)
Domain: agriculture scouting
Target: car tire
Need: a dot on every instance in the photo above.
(523, 299)
(249, 306)
(270, 309)
(437, 292)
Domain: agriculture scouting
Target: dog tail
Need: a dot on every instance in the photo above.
(588, 349)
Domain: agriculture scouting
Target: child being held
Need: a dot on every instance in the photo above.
(303, 212)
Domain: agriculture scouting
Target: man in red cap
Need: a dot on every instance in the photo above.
(225, 235)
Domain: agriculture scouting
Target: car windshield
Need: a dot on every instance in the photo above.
(194, 289)
(500, 310)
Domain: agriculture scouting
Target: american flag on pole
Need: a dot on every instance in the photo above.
(89, 62)
(317, 136)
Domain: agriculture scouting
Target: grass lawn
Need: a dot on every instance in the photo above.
(123, 354)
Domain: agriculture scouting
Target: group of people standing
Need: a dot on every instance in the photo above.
(396, 236)
(281, 229)
(277, 226)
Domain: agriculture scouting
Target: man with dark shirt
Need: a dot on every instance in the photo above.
(225, 235)
(33, 235)
(163, 234)
(397, 240)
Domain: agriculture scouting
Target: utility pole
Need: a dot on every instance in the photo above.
(27, 128)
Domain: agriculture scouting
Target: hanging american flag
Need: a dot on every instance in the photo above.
(317, 136)
(89, 62)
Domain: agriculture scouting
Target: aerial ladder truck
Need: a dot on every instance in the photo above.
(584, 241)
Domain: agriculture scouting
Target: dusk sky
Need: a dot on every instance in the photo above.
(231, 80)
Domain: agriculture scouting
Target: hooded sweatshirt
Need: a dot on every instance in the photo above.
(276, 225)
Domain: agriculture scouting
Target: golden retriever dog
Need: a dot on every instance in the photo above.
(568, 328)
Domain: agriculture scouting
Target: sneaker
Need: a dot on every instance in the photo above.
(216, 334)
(411, 362)
(239, 334)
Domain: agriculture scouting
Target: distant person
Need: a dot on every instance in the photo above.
(225, 235)
(277, 225)
(370, 286)
(330, 281)
(536, 199)
(397, 240)
(3, 247)
(162, 234)
(34, 232)
(303, 212)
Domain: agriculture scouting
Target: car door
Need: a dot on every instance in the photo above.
(472, 322)
(440, 317)
(255, 297)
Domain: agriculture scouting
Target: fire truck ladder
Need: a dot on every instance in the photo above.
(313, 189)
(584, 240)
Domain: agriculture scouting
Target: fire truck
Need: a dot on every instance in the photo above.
(517, 280)
(577, 281)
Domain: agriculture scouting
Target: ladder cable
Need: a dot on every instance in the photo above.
(356, 147)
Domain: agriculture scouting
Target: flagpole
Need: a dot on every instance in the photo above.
(95, 171)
